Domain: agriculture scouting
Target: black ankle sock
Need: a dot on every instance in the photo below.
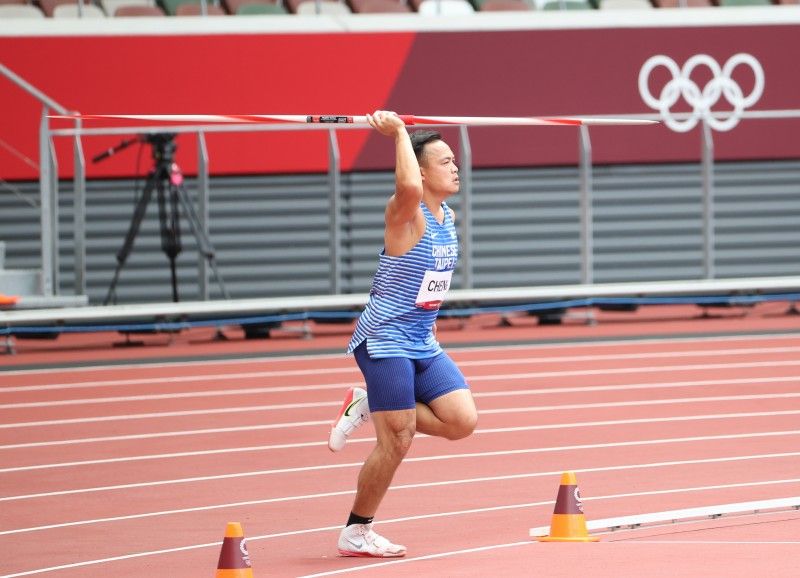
(356, 519)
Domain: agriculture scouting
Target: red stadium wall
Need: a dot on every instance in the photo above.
(496, 73)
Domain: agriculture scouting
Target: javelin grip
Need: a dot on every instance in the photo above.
(340, 119)
(335, 119)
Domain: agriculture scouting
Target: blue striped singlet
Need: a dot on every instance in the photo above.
(407, 292)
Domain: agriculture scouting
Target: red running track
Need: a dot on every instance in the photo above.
(134, 470)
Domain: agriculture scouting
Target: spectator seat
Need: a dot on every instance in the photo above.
(565, 5)
(625, 5)
(331, 7)
(378, 6)
(71, 11)
(138, 10)
(442, 7)
(505, 6)
(259, 8)
(19, 11)
(192, 9)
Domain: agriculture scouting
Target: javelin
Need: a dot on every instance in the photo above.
(408, 119)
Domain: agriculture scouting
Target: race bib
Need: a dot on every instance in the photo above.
(433, 288)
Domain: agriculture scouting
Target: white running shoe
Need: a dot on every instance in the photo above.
(362, 540)
(354, 413)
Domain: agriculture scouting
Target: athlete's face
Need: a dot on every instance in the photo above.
(439, 170)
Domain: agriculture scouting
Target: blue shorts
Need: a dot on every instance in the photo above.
(395, 383)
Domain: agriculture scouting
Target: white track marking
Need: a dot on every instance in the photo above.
(668, 401)
(358, 464)
(383, 522)
(300, 424)
(530, 543)
(177, 433)
(354, 370)
(471, 379)
(452, 349)
(719, 542)
(417, 486)
(407, 460)
(540, 391)
(373, 565)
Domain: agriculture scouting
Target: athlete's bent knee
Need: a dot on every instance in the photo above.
(463, 427)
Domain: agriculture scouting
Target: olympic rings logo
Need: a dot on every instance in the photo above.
(701, 101)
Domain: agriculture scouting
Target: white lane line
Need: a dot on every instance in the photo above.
(519, 392)
(471, 379)
(373, 565)
(337, 527)
(700, 542)
(451, 349)
(165, 396)
(415, 486)
(588, 389)
(358, 464)
(159, 380)
(246, 449)
(112, 559)
(669, 401)
(300, 424)
(166, 434)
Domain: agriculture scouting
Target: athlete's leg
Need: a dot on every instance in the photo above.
(395, 430)
(445, 406)
(452, 415)
(390, 389)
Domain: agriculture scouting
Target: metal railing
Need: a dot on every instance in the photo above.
(48, 185)
(48, 180)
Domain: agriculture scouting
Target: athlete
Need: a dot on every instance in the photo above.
(411, 383)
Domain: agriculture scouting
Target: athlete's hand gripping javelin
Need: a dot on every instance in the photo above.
(386, 122)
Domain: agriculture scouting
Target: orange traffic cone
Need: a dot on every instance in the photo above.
(568, 523)
(234, 561)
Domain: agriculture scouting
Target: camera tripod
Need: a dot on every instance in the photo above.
(166, 180)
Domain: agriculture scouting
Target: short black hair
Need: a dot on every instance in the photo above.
(419, 138)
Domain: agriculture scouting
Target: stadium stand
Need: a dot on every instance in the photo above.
(129, 10)
(254, 7)
(19, 11)
(378, 6)
(171, 6)
(505, 6)
(260, 9)
(71, 11)
(100, 8)
(733, 3)
(330, 7)
(624, 5)
(442, 7)
(682, 3)
(564, 5)
(49, 6)
(314, 7)
(191, 9)
(110, 6)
